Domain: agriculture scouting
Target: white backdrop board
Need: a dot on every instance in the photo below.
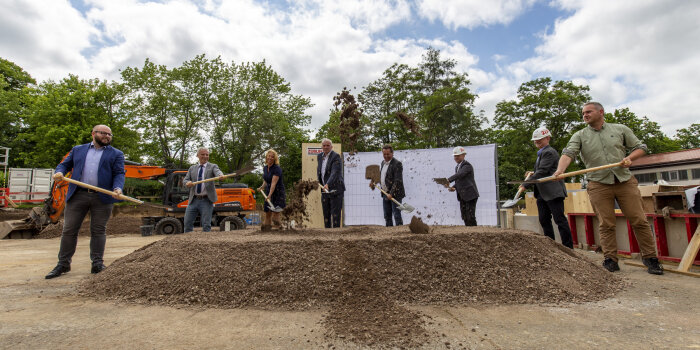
(434, 204)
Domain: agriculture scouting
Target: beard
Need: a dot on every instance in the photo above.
(101, 142)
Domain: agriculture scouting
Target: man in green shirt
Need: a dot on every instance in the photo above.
(603, 143)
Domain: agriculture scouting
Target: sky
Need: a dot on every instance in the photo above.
(640, 54)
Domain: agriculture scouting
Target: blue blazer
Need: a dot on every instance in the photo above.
(110, 174)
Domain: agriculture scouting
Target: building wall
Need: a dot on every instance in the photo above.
(672, 174)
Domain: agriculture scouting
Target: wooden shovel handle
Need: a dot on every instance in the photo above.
(267, 199)
(582, 171)
(99, 189)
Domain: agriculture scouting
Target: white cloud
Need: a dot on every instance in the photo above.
(637, 54)
(472, 13)
(46, 37)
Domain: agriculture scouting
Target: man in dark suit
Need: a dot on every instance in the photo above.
(467, 193)
(98, 164)
(330, 176)
(202, 196)
(392, 183)
(550, 195)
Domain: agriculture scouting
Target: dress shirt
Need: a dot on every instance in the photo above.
(323, 167)
(92, 164)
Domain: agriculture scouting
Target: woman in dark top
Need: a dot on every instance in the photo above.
(273, 187)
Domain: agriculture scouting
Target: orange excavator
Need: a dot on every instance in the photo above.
(235, 201)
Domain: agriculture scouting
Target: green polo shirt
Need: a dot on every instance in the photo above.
(610, 144)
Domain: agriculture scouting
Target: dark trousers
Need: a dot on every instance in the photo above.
(391, 209)
(332, 204)
(76, 209)
(468, 210)
(554, 208)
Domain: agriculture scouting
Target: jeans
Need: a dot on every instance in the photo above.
(554, 208)
(202, 207)
(391, 209)
(77, 207)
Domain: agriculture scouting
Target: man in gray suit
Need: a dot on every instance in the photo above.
(550, 195)
(467, 193)
(202, 196)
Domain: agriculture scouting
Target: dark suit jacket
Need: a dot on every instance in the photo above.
(334, 172)
(464, 182)
(394, 179)
(110, 173)
(546, 165)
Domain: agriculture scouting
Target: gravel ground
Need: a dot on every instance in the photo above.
(365, 276)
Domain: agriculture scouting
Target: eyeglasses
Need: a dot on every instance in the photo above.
(104, 133)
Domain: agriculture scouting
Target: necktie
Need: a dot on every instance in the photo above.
(199, 178)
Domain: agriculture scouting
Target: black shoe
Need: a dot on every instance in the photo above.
(611, 265)
(653, 265)
(98, 268)
(57, 271)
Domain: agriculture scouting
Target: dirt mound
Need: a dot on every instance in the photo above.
(295, 211)
(418, 226)
(115, 226)
(364, 275)
(13, 214)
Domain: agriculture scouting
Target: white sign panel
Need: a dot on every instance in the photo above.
(434, 204)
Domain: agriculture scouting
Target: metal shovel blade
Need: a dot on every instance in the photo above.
(511, 202)
(405, 207)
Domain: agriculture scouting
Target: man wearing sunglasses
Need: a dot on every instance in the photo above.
(98, 164)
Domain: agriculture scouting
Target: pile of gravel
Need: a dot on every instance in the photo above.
(363, 275)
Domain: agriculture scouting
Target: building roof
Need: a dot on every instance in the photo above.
(687, 156)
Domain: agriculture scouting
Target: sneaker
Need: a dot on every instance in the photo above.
(611, 265)
(653, 266)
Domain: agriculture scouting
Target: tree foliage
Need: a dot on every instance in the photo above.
(647, 131)
(689, 137)
(15, 90)
(540, 102)
(426, 106)
(62, 115)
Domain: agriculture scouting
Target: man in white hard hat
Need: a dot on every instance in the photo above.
(467, 193)
(550, 195)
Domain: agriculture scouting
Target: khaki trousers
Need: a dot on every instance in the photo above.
(603, 197)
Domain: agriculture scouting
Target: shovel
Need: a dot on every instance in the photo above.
(238, 172)
(323, 189)
(99, 189)
(511, 202)
(372, 172)
(565, 175)
(272, 207)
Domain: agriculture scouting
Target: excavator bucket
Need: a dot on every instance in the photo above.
(26, 227)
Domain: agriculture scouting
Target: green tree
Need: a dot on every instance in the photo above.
(162, 101)
(426, 106)
(540, 102)
(62, 115)
(248, 108)
(647, 131)
(15, 92)
(689, 137)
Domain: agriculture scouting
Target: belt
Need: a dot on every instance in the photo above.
(203, 196)
(89, 190)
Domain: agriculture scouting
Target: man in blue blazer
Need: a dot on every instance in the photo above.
(98, 164)
(330, 176)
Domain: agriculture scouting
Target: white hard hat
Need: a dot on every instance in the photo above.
(459, 150)
(540, 133)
